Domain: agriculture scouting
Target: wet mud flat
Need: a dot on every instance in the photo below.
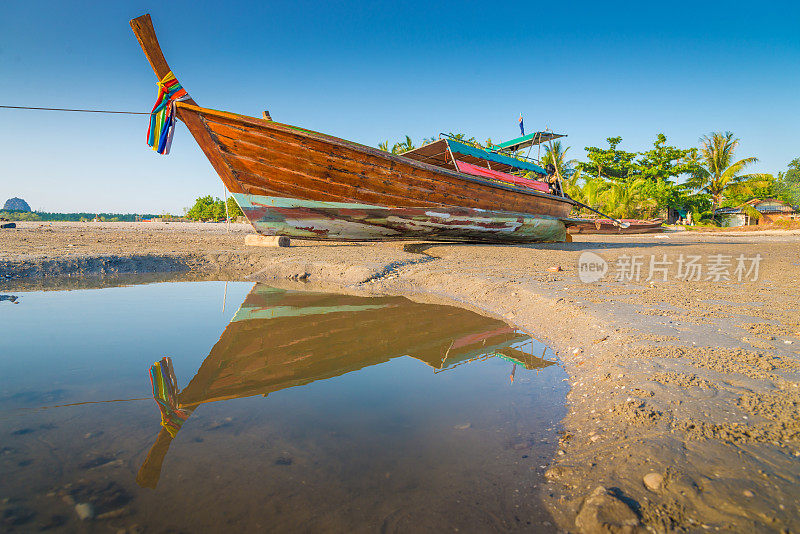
(301, 411)
(682, 410)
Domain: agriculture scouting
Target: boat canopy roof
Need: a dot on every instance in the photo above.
(436, 154)
(535, 138)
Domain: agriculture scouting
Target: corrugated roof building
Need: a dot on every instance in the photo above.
(770, 209)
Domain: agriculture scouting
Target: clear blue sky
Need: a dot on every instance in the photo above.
(370, 71)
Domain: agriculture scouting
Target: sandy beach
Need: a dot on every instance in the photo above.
(683, 358)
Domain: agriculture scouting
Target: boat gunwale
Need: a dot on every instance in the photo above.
(325, 138)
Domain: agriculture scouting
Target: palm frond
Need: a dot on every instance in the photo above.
(751, 212)
(734, 168)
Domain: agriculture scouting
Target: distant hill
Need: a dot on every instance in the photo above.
(16, 204)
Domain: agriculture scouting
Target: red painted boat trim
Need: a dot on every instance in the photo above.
(469, 168)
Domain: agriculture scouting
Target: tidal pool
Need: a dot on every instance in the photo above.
(288, 411)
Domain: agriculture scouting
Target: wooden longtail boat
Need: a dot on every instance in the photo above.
(607, 226)
(290, 181)
(280, 339)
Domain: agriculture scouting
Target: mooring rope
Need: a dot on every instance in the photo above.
(80, 110)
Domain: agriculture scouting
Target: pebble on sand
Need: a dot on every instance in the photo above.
(84, 510)
(748, 493)
(653, 481)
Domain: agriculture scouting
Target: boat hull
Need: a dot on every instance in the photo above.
(340, 221)
(607, 226)
(358, 193)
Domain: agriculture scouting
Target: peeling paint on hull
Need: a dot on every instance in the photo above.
(340, 221)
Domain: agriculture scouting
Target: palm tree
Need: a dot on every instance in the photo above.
(718, 174)
(589, 193)
(398, 148)
(593, 190)
(555, 153)
(403, 146)
(574, 190)
(630, 198)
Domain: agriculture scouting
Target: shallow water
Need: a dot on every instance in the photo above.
(304, 412)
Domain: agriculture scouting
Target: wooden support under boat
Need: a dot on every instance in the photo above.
(294, 182)
(256, 240)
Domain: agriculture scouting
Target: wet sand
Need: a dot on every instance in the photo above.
(693, 384)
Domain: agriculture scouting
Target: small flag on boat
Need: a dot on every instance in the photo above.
(165, 393)
(162, 118)
(521, 125)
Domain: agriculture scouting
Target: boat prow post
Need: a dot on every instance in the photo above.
(146, 35)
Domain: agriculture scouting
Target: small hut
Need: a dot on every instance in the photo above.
(770, 209)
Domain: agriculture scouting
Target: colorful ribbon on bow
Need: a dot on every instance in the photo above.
(162, 118)
(165, 392)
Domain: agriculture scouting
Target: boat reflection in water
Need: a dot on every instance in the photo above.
(280, 339)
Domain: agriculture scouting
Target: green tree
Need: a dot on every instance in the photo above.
(203, 209)
(718, 174)
(15, 215)
(208, 212)
(609, 162)
(787, 186)
(218, 209)
(665, 162)
(768, 187)
(233, 209)
(665, 194)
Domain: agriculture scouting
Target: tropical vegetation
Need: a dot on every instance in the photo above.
(717, 173)
(787, 185)
(209, 208)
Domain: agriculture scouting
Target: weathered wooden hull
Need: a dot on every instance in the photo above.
(364, 222)
(358, 193)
